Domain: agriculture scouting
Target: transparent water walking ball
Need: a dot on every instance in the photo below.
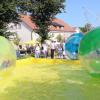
(72, 45)
(89, 51)
(7, 53)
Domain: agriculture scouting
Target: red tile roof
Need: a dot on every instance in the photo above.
(67, 28)
(27, 20)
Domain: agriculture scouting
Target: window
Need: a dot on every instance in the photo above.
(62, 28)
(18, 26)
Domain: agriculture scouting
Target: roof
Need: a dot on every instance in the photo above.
(67, 28)
(56, 24)
(27, 20)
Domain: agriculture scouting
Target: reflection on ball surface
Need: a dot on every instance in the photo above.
(89, 51)
(7, 53)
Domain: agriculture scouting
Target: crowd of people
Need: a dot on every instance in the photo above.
(44, 50)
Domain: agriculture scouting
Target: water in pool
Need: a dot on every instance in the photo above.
(52, 80)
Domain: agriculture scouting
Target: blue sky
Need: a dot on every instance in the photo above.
(76, 15)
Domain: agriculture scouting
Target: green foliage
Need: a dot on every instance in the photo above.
(42, 13)
(39, 39)
(7, 14)
(86, 28)
(4, 33)
(16, 39)
(59, 38)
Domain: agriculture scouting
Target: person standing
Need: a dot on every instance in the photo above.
(45, 49)
(64, 53)
(37, 51)
(60, 51)
(52, 49)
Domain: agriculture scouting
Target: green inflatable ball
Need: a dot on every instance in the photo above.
(89, 51)
(7, 53)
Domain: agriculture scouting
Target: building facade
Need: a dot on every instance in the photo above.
(26, 29)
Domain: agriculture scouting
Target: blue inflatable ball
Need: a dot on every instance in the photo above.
(72, 45)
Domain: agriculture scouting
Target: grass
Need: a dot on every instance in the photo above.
(47, 79)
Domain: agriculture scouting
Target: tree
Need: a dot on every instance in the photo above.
(42, 13)
(86, 28)
(60, 38)
(16, 39)
(7, 14)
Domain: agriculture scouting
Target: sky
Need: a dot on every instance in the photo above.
(80, 12)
